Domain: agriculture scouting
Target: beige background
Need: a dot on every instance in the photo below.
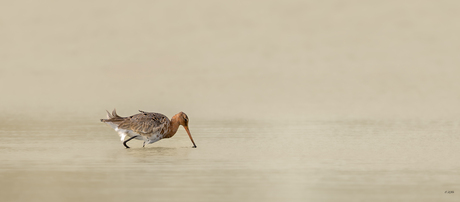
(228, 59)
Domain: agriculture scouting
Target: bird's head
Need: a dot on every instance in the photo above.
(182, 118)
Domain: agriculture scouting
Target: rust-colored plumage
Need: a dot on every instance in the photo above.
(147, 126)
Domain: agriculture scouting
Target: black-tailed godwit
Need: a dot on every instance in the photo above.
(147, 126)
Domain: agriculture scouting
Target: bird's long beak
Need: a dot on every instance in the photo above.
(190, 135)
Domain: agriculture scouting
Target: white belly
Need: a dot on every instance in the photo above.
(149, 140)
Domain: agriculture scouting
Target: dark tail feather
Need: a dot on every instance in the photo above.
(114, 114)
(112, 117)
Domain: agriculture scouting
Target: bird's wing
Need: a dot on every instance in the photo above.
(145, 122)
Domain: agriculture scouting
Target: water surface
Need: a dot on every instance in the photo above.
(235, 161)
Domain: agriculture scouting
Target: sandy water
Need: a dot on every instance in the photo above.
(359, 160)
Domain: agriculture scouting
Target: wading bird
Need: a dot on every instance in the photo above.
(147, 126)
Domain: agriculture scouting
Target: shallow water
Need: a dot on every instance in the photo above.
(360, 160)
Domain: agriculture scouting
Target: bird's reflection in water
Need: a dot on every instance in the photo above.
(153, 152)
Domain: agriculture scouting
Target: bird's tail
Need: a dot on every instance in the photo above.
(114, 118)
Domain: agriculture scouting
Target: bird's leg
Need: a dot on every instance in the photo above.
(124, 143)
(143, 145)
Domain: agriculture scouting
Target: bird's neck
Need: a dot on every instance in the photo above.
(174, 125)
